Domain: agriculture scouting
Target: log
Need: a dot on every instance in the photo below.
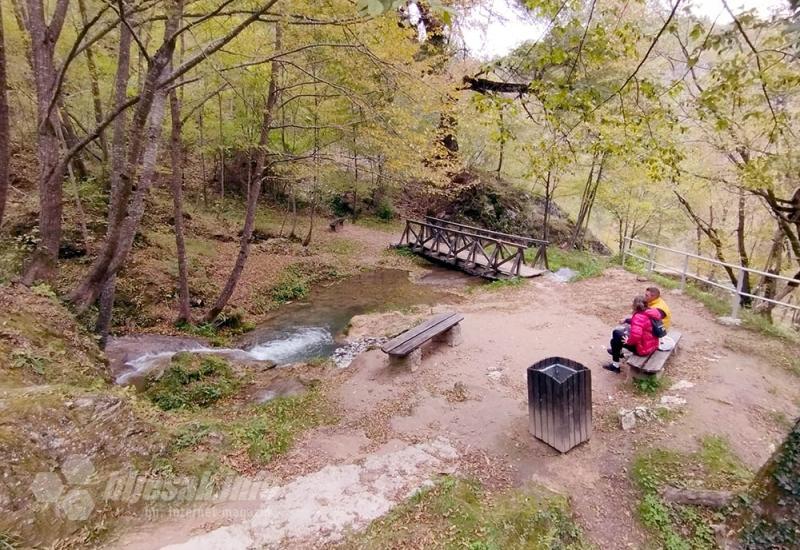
(697, 497)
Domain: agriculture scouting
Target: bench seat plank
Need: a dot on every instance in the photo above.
(410, 340)
(655, 361)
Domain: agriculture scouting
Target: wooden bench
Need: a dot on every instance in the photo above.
(338, 222)
(406, 349)
(652, 366)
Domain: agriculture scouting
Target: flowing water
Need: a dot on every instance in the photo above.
(298, 331)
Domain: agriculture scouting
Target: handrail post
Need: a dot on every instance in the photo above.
(685, 270)
(735, 303)
(651, 257)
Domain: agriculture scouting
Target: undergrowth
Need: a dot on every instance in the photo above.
(192, 381)
(270, 429)
(458, 513)
(649, 386)
(679, 527)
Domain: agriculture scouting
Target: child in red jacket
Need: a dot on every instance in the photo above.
(640, 338)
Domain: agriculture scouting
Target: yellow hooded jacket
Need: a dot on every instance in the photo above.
(659, 303)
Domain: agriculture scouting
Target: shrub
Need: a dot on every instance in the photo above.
(384, 211)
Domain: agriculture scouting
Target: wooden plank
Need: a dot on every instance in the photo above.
(411, 339)
(655, 361)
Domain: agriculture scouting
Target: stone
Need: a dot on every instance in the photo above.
(411, 361)
(452, 337)
(627, 419)
(670, 401)
(495, 373)
(729, 321)
(345, 354)
(681, 385)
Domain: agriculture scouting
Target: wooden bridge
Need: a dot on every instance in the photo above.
(477, 251)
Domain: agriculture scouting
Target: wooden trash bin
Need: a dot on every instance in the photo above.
(560, 402)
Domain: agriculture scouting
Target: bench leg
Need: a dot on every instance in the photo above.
(452, 337)
(411, 361)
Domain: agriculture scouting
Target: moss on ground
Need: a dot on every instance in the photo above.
(678, 527)
(40, 343)
(458, 513)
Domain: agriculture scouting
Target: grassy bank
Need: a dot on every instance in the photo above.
(679, 527)
(459, 513)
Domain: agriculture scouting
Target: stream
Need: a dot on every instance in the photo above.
(297, 331)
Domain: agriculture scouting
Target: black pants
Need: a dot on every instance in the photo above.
(617, 345)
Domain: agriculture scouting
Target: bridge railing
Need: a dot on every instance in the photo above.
(489, 253)
(652, 261)
(528, 242)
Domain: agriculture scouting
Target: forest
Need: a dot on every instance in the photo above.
(679, 129)
(178, 168)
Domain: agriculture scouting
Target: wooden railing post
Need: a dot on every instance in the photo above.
(651, 257)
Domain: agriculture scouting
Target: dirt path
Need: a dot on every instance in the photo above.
(472, 399)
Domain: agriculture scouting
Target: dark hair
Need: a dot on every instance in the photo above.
(653, 290)
(639, 304)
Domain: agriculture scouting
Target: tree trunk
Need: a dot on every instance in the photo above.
(584, 204)
(126, 219)
(43, 38)
(221, 151)
(744, 259)
(118, 149)
(95, 86)
(547, 199)
(315, 183)
(255, 192)
(176, 155)
(307, 239)
(5, 137)
(203, 157)
(292, 233)
(583, 229)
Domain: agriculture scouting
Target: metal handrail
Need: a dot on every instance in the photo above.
(713, 261)
(684, 272)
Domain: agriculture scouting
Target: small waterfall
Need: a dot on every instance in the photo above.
(287, 346)
(295, 345)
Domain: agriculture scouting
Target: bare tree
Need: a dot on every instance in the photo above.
(254, 191)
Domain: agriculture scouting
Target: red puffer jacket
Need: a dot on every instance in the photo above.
(641, 334)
